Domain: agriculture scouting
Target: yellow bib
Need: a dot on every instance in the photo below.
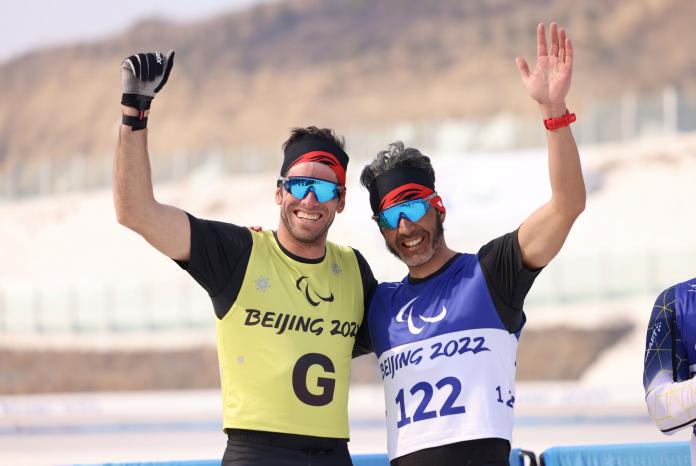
(285, 346)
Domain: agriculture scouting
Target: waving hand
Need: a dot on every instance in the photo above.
(548, 83)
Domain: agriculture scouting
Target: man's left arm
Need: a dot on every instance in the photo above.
(543, 233)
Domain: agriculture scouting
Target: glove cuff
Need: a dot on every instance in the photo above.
(136, 123)
(137, 101)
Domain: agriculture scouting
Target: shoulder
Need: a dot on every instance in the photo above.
(346, 254)
(362, 262)
(666, 304)
(261, 236)
(223, 230)
(388, 289)
(465, 260)
(341, 249)
(688, 286)
(506, 241)
(666, 296)
(683, 296)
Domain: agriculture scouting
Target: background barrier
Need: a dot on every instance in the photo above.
(518, 457)
(646, 454)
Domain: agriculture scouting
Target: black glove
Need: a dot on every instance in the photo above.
(142, 76)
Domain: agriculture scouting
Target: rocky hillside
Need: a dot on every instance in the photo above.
(241, 80)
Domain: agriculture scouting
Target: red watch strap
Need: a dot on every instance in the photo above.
(559, 122)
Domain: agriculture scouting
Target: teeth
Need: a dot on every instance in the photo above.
(413, 242)
(307, 216)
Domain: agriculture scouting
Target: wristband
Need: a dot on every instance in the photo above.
(135, 122)
(559, 122)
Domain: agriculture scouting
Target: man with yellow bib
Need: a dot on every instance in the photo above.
(289, 304)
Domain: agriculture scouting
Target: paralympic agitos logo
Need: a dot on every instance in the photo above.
(312, 296)
(405, 314)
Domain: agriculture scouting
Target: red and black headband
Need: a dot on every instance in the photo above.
(400, 185)
(316, 149)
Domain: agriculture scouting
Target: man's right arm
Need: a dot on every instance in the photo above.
(164, 226)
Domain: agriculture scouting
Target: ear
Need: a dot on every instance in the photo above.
(279, 195)
(341, 201)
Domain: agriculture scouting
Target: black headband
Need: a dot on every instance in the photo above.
(309, 144)
(392, 179)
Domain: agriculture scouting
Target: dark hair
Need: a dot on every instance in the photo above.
(326, 133)
(395, 156)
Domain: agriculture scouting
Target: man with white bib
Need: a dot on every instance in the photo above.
(446, 335)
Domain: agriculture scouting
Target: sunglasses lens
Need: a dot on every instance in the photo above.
(413, 211)
(323, 190)
(296, 189)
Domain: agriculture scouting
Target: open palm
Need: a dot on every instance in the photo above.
(549, 82)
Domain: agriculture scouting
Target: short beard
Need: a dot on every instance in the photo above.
(436, 241)
(309, 238)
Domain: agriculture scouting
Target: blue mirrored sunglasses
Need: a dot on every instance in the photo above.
(299, 187)
(412, 210)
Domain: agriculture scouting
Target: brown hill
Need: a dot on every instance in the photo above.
(44, 371)
(243, 79)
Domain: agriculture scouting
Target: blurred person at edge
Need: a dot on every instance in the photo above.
(289, 304)
(670, 361)
(446, 335)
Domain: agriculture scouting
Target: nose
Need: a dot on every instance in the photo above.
(405, 226)
(310, 200)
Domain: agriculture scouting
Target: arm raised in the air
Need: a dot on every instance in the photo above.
(164, 226)
(543, 233)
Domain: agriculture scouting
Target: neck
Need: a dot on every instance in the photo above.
(314, 250)
(442, 255)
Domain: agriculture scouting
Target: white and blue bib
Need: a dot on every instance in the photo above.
(447, 361)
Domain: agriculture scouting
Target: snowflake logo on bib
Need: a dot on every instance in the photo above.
(262, 284)
(405, 314)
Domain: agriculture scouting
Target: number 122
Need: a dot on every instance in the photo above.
(421, 413)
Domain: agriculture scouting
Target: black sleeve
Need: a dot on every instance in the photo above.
(220, 254)
(508, 279)
(363, 343)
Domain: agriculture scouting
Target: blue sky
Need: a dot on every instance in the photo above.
(29, 24)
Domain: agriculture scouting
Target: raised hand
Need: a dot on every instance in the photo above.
(142, 76)
(549, 82)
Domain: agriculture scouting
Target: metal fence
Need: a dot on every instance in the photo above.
(183, 305)
(621, 119)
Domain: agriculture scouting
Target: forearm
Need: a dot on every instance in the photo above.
(542, 235)
(672, 406)
(133, 194)
(565, 172)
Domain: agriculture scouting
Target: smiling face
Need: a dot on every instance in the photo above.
(308, 220)
(416, 243)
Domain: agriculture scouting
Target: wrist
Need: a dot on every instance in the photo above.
(555, 123)
(553, 110)
(130, 111)
(133, 118)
